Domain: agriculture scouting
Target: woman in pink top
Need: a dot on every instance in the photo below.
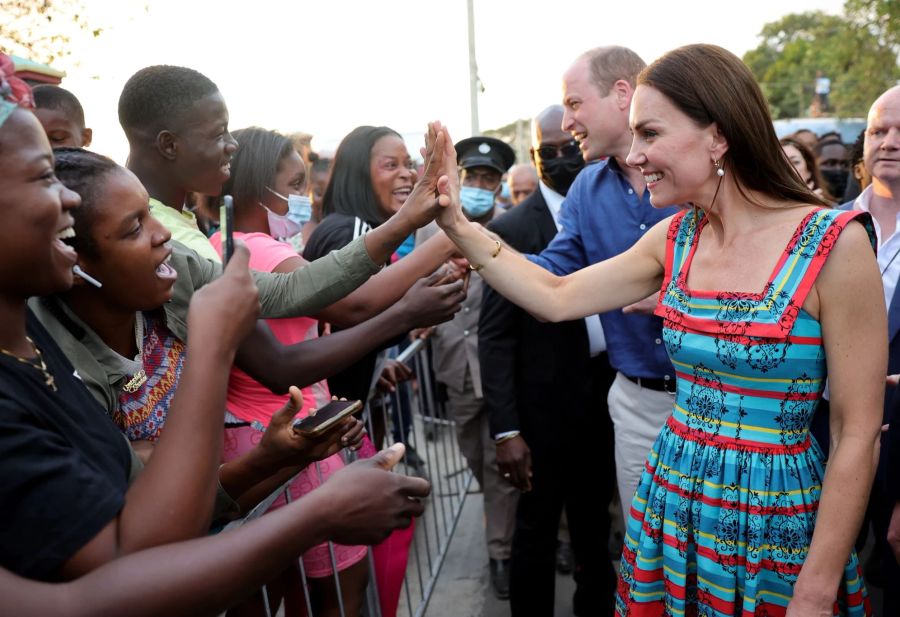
(266, 176)
(268, 163)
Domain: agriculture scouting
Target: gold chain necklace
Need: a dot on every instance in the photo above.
(140, 378)
(37, 364)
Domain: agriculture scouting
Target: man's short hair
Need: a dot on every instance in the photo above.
(610, 64)
(48, 96)
(156, 95)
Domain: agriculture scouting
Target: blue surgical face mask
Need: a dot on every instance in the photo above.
(290, 224)
(476, 202)
(299, 208)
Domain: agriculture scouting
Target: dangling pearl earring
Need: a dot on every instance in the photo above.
(719, 170)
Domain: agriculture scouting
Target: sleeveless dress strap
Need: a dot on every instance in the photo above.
(679, 240)
(807, 251)
(769, 314)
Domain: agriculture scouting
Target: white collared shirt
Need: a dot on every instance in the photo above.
(888, 248)
(596, 338)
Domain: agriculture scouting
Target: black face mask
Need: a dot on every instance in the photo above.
(559, 173)
(837, 182)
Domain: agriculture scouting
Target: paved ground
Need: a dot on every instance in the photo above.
(463, 589)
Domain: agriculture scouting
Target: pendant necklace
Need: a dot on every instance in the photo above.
(140, 378)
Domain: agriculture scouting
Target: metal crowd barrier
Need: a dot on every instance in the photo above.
(432, 434)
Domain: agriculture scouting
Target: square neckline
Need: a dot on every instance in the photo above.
(714, 293)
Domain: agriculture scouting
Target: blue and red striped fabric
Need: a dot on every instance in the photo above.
(724, 513)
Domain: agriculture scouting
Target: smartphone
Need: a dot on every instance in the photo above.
(326, 417)
(226, 228)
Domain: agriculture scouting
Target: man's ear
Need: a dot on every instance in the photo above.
(623, 91)
(531, 154)
(87, 136)
(167, 144)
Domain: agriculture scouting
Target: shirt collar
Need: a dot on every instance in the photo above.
(114, 365)
(158, 208)
(864, 200)
(554, 200)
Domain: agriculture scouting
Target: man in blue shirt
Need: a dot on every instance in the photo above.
(606, 211)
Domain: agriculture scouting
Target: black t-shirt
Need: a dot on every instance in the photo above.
(64, 465)
(335, 232)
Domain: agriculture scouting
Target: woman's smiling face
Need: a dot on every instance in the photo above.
(393, 173)
(674, 154)
(129, 247)
(36, 210)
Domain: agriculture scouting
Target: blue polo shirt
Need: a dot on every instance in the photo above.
(601, 217)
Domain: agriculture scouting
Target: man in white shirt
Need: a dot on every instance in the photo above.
(881, 156)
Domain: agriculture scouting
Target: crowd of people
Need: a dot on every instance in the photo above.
(667, 321)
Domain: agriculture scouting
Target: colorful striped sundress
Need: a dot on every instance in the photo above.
(723, 516)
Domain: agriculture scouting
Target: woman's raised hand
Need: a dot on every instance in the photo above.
(432, 193)
(450, 211)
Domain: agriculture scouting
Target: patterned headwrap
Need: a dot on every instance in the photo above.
(13, 91)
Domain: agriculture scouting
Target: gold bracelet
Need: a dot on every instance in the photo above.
(477, 267)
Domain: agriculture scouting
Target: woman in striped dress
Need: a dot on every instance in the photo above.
(761, 287)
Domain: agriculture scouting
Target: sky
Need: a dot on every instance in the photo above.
(325, 67)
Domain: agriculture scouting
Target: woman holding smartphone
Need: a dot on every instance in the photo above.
(265, 172)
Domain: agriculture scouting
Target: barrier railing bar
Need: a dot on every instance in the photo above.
(443, 553)
(395, 400)
(451, 481)
(439, 442)
(331, 555)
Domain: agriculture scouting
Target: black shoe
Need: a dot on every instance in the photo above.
(500, 578)
(565, 561)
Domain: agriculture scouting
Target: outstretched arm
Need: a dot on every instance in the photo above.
(312, 288)
(278, 367)
(386, 287)
(359, 505)
(854, 323)
(616, 282)
(610, 284)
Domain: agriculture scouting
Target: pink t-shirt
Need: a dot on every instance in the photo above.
(247, 398)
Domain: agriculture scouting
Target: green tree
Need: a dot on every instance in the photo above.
(860, 62)
(41, 30)
(881, 17)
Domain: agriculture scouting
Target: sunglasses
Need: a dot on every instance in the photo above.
(570, 149)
